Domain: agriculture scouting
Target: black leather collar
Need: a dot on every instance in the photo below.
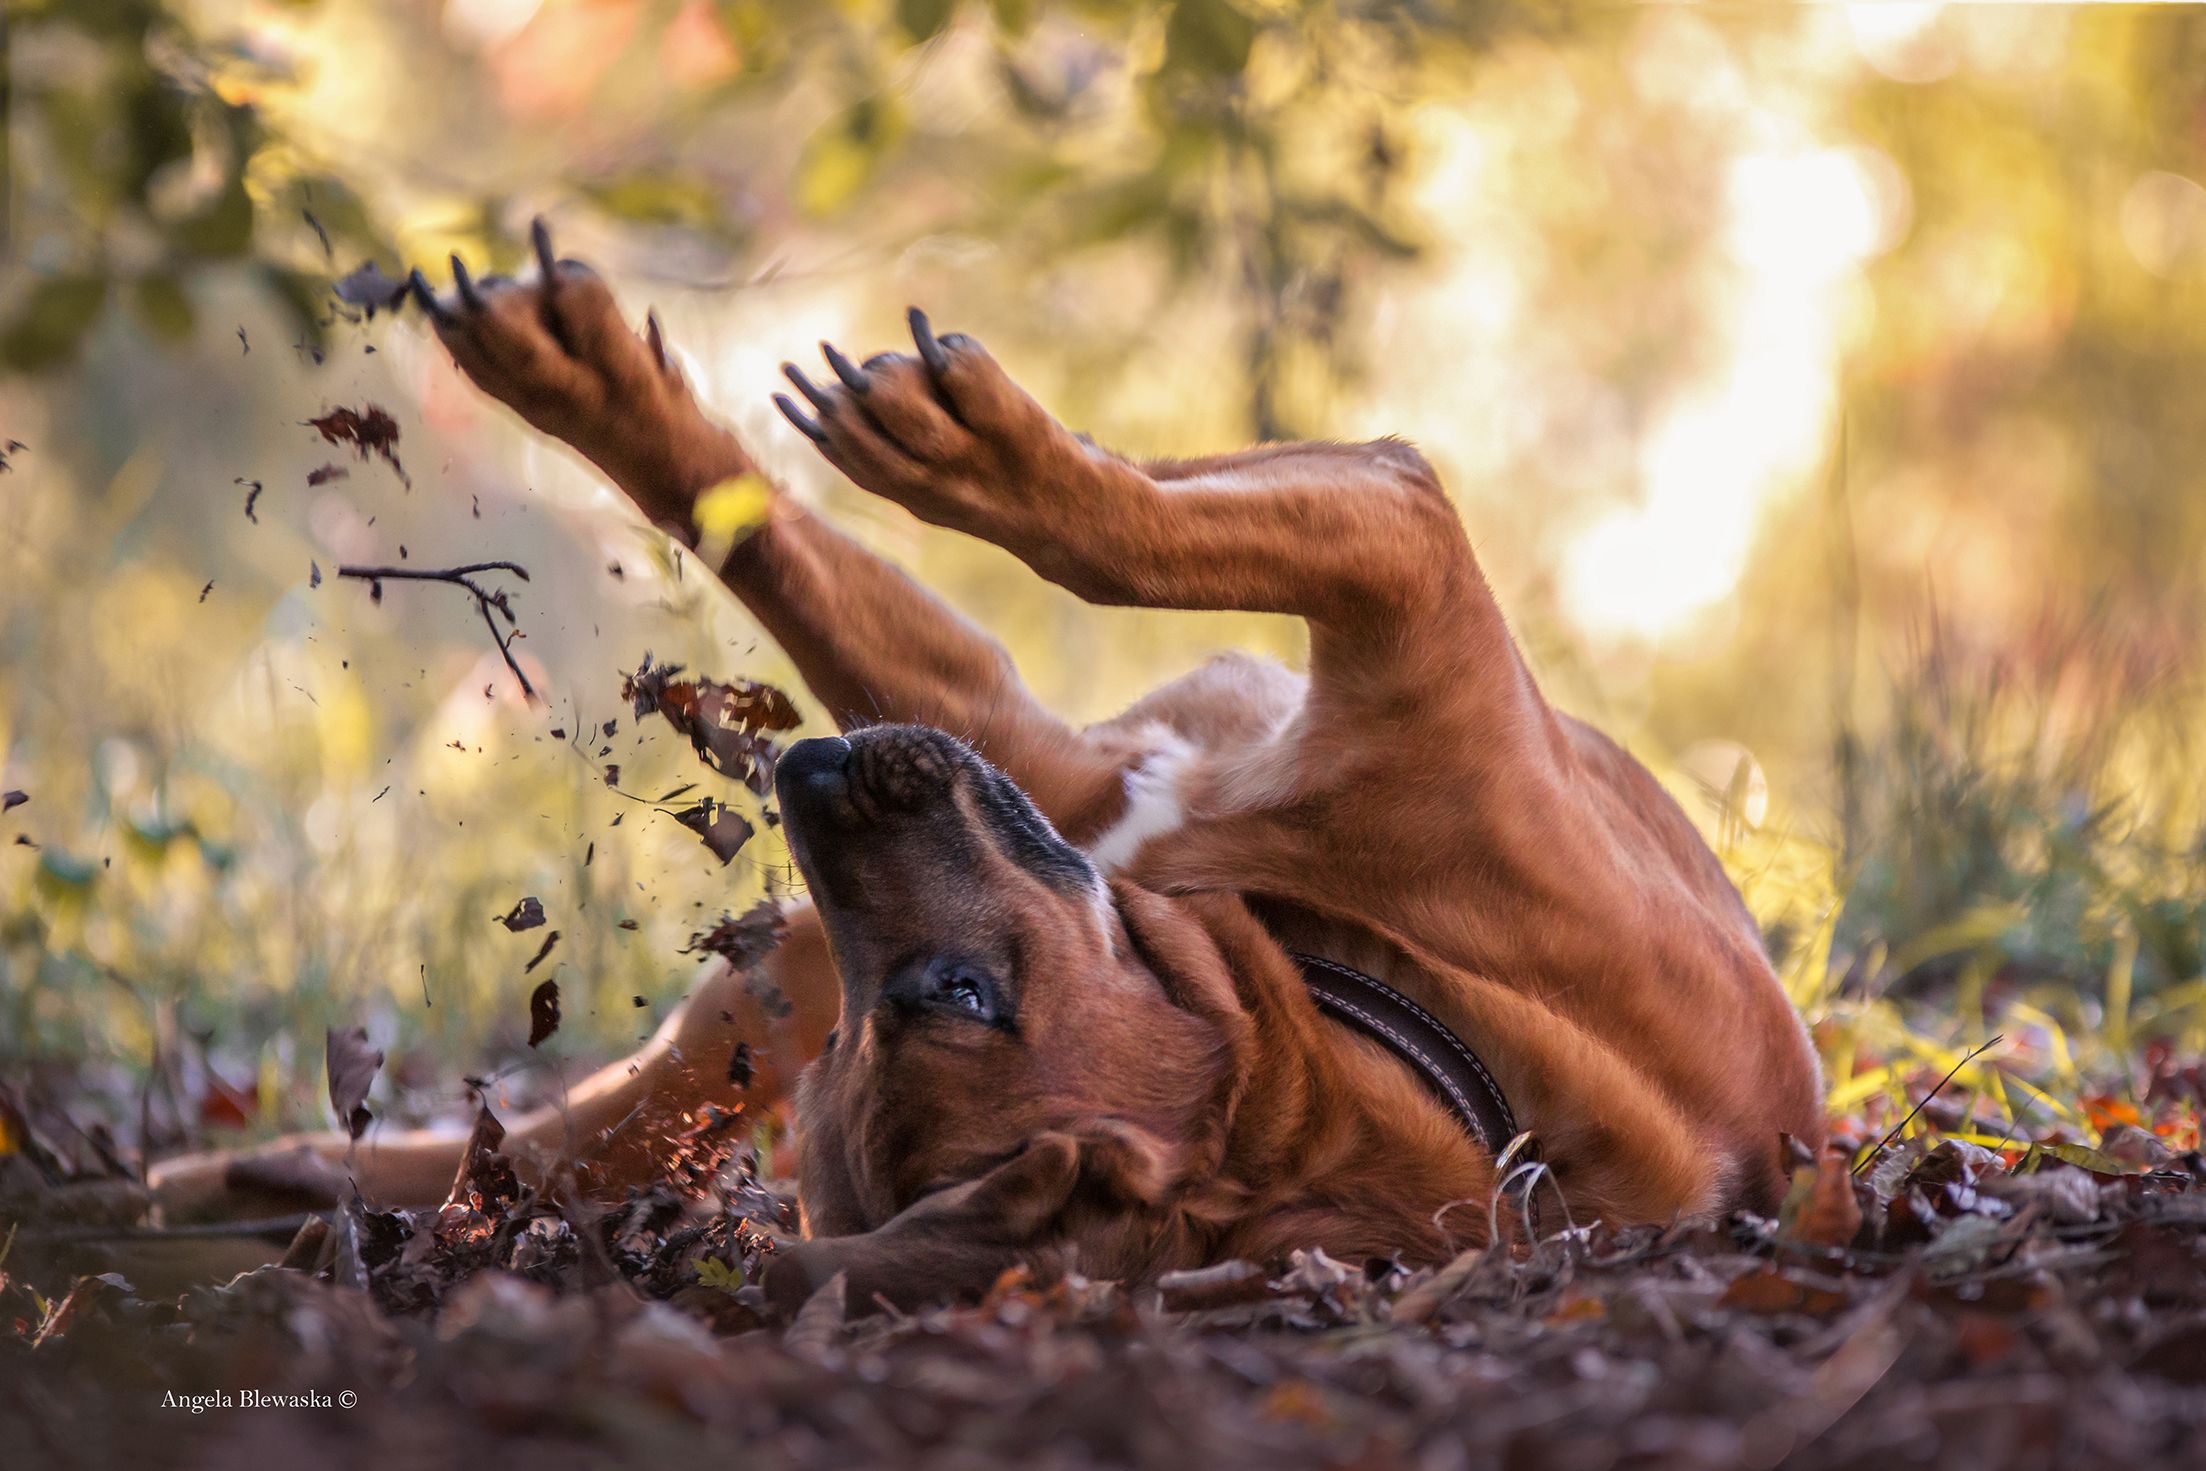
(1441, 1059)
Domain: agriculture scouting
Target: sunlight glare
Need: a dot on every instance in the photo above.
(1800, 222)
(487, 23)
(1903, 40)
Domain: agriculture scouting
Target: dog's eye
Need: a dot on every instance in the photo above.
(967, 990)
(954, 984)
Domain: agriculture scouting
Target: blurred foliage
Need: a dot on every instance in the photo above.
(149, 170)
(1819, 384)
(1251, 142)
(2033, 816)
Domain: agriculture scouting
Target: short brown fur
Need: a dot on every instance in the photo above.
(1413, 808)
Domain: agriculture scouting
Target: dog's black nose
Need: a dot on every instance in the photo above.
(813, 771)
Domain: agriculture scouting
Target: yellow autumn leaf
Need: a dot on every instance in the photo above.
(728, 512)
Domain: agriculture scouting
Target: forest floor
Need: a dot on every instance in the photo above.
(1944, 1305)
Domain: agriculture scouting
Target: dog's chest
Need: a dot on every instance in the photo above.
(1176, 785)
(1156, 786)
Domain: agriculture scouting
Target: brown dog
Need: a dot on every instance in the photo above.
(1066, 1026)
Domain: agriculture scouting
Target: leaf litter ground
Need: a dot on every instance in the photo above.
(1944, 1307)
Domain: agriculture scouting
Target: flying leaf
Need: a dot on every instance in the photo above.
(722, 827)
(526, 914)
(352, 1065)
(549, 941)
(369, 430)
(727, 724)
(368, 288)
(544, 1009)
(742, 940)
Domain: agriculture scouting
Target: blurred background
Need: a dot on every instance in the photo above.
(1822, 387)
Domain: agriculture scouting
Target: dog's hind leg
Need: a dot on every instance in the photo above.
(738, 1038)
(870, 644)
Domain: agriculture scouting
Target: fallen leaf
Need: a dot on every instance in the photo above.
(820, 1320)
(483, 1173)
(1771, 1290)
(1822, 1209)
(1222, 1284)
(1299, 1401)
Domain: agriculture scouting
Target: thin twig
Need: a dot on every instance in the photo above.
(1871, 1156)
(439, 574)
(464, 578)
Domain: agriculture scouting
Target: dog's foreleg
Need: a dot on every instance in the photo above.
(874, 646)
(869, 643)
(1359, 540)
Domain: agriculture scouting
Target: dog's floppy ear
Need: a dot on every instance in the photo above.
(1175, 939)
(957, 1242)
(1193, 944)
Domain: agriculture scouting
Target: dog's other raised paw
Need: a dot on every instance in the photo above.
(942, 431)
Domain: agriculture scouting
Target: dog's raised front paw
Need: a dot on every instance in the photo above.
(557, 350)
(942, 431)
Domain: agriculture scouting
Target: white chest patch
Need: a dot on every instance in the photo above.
(1153, 803)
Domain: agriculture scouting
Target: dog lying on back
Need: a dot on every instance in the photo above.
(1046, 1001)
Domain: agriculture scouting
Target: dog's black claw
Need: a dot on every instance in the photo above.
(930, 351)
(807, 387)
(800, 418)
(418, 284)
(853, 376)
(546, 262)
(465, 285)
